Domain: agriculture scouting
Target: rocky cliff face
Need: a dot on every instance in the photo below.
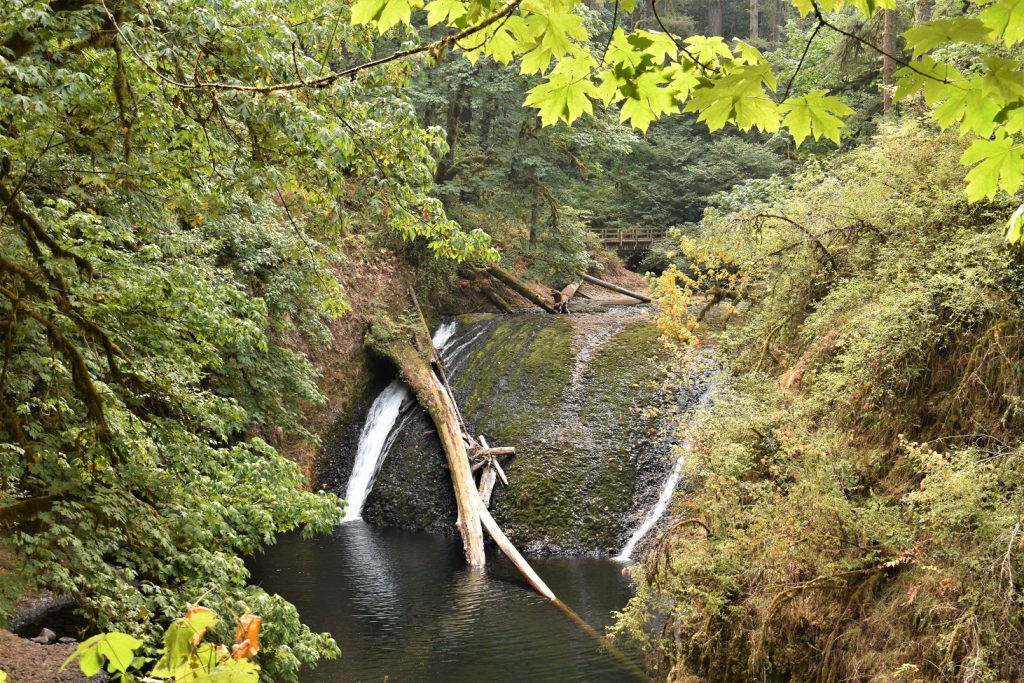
(586, 400)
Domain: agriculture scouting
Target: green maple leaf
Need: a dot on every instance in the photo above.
(816, 114)
(445, 10)
(939, 32)
(869, 7)
(535, 61)
(622, 52)
(969, 106)
(684, 79)
(1015, 226)
(383, 13)
(999, 165)
(609, 90)
(556, 30)
(748, 54)
(938, 79)
(1003, 81)
(650, 101)
(738, 98)
(804, 7)
(562, 98)
(1006, 19)
(708, 50)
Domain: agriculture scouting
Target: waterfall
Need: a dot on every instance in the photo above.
(655, 514)
(373, 440)
(670, 485)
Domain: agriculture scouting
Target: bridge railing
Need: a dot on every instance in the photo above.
(629, 238)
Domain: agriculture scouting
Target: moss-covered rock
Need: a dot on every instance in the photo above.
(582, 398)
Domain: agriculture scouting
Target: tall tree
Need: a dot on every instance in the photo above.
(888, 62)
(715, 17)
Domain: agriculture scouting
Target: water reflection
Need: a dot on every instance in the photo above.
(403, 604)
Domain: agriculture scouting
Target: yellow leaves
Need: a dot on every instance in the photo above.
(384, 14)
(200, 619)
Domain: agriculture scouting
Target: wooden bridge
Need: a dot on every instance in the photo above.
(629, 240)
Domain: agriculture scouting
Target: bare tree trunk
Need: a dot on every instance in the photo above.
(923, 11)
(714, 17)
(888, 63)
(755, 8)
(452, 138)
(431, 394)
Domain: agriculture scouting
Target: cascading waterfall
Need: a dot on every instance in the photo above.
(656, 513)
(666, 493)
(373, 440)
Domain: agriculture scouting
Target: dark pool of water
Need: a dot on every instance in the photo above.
(402, 604)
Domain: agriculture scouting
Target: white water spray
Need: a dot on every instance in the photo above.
(655, 514)
(373, 440)
(670, 486)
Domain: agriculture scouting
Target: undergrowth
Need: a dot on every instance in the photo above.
(854, 509)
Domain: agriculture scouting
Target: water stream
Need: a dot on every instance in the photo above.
(655, 514)
(666, 492)
(373, 441)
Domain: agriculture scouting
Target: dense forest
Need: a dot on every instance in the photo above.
(218, 217)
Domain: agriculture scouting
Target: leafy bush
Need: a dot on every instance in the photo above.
(855, 509)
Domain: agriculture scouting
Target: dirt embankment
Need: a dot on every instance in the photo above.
(28, 662)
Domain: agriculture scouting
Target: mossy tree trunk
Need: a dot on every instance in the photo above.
(518, 286)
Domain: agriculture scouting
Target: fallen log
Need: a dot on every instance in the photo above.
(487, 481)
(495, 298)
(518, 286)
(436, 400)
(563, 297)
(615, 288)
(499, 452)
(505, 545)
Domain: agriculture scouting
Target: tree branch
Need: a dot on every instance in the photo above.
(324, 81)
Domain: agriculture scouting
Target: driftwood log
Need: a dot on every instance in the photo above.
(515, 284)
(563, 297)
(615, 288)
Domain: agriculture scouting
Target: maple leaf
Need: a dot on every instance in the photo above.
(968, 105)
(999, 165)
(445, 10)
(383, 13)
(932, 34)
(1006, 19)
(938, 80)
(739, 98)
(816, 114)
(649, 100)
(562, 98)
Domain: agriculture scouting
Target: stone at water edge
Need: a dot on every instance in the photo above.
(45, 637)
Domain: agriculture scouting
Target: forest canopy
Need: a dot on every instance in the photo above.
(180, 181)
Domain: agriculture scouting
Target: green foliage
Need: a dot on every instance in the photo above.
(186, 656)
(655, 73)
(116, 649)
(854, 509)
